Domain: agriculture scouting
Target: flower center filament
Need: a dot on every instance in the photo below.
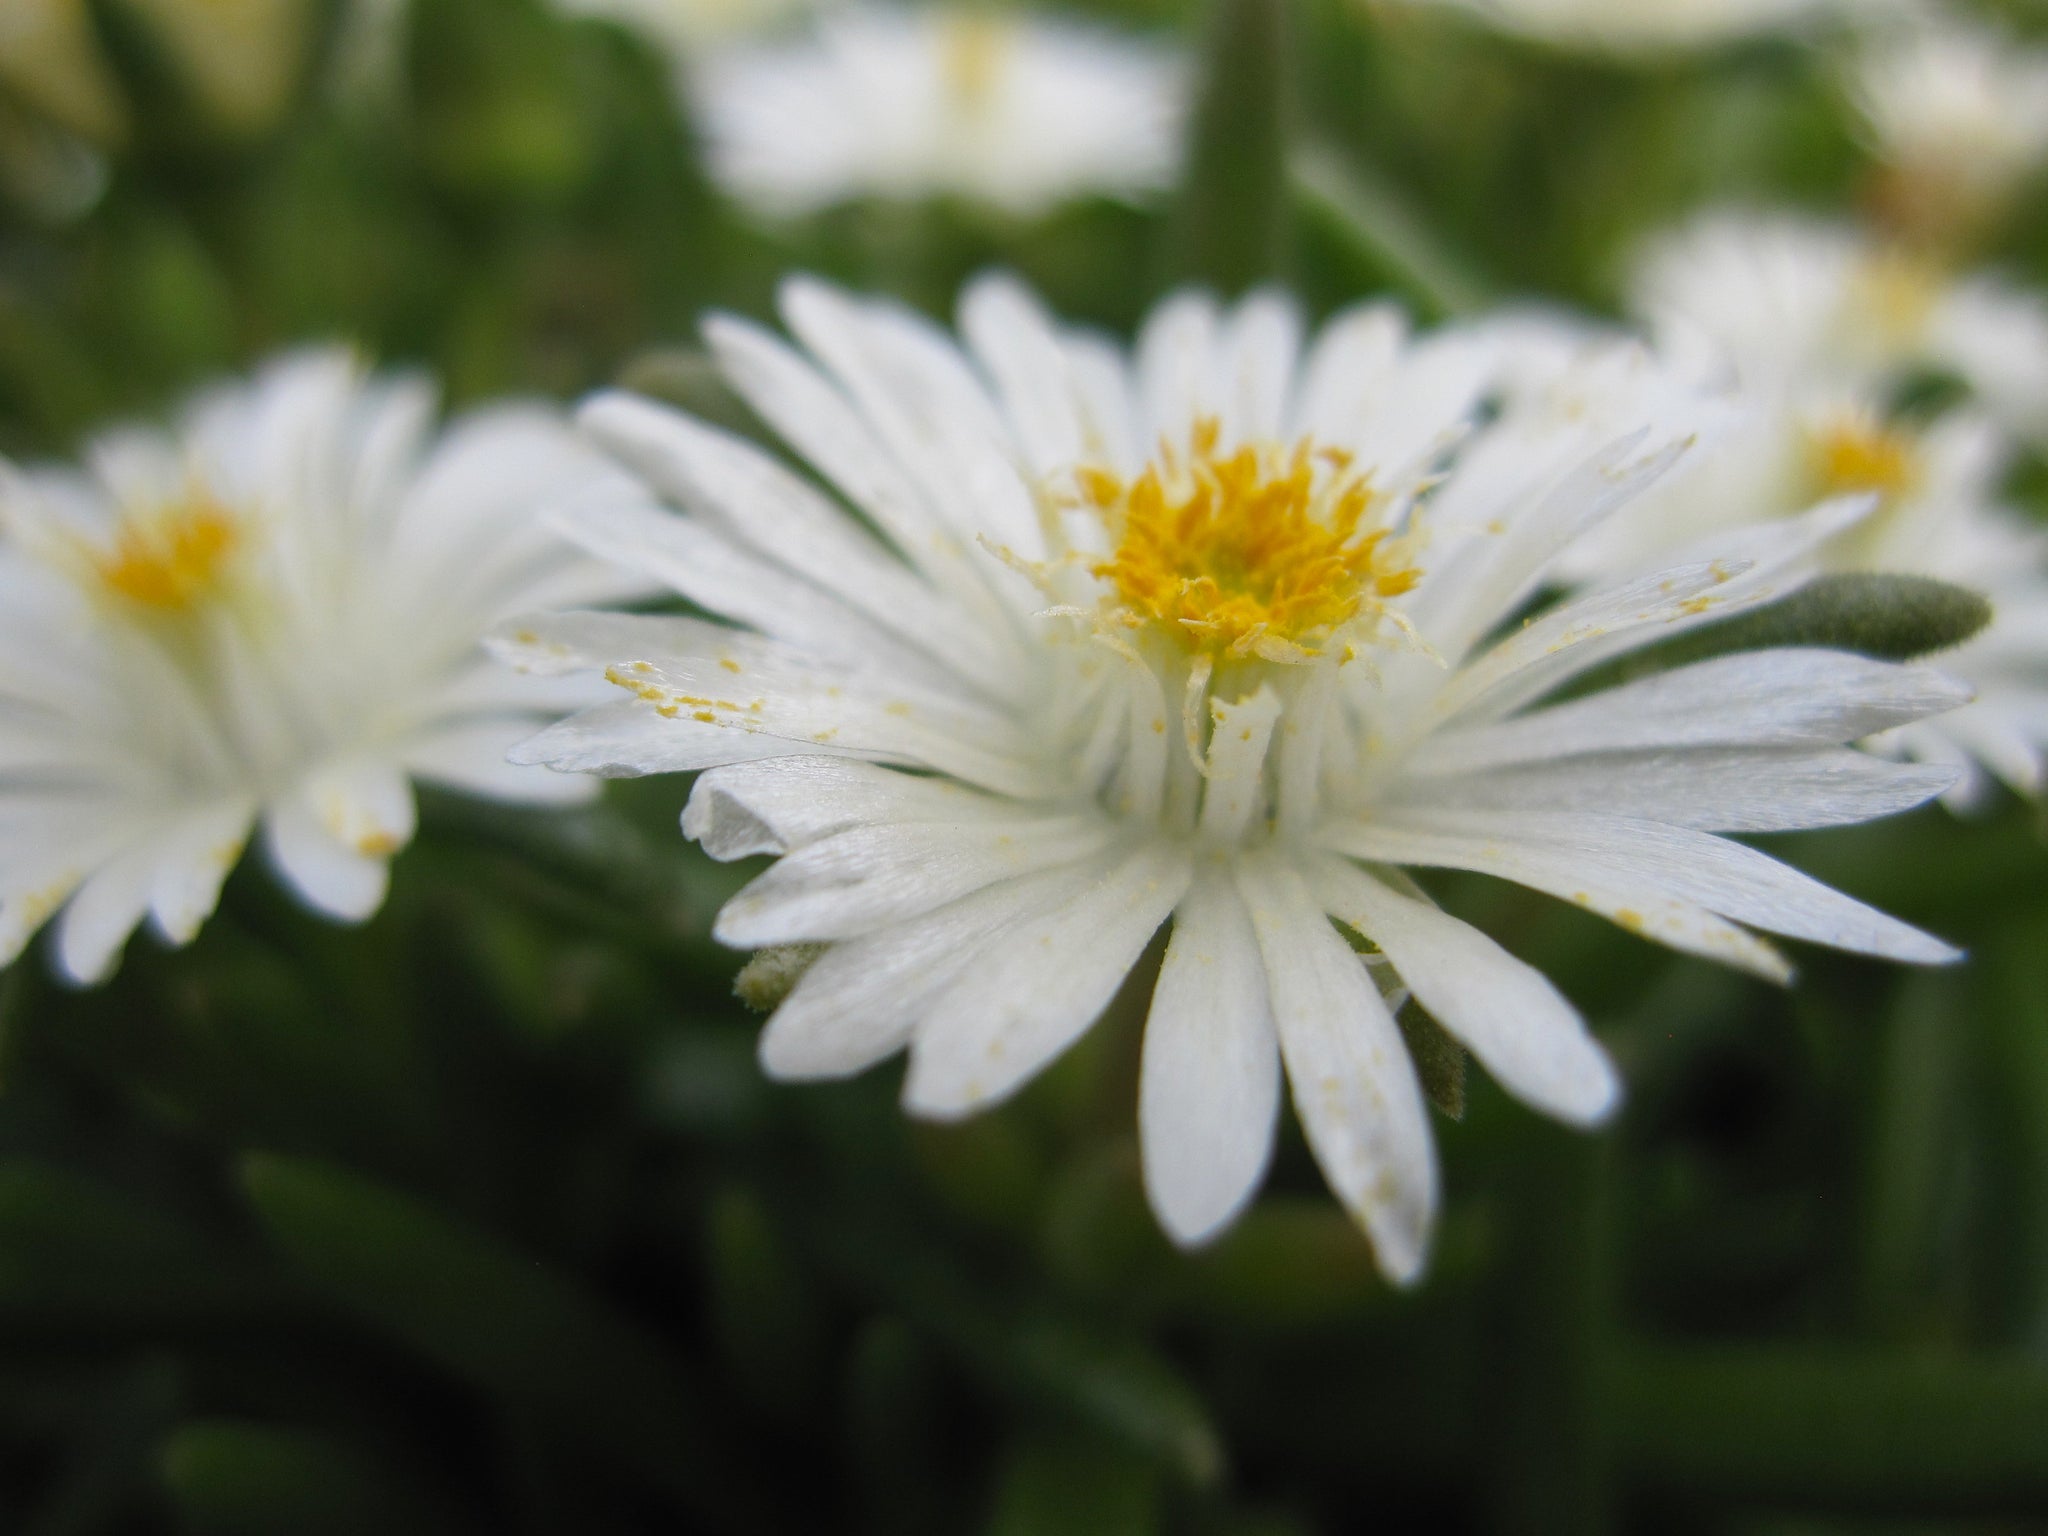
(173, 559)
(1264, 550)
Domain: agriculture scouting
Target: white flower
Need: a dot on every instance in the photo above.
(272, 613)
(1205, 633)
(1932, 490)
(1959, 114)
(1022, 112)
(1798, 303)
(1646, 26)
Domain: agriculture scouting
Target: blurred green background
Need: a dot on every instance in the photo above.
(481, 1218)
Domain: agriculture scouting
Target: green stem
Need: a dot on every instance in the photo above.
(1378, 224)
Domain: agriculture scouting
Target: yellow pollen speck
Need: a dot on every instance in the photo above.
(1629, 919)
(171, 559)
(728, 663)
(376, 845)
(1262, 547)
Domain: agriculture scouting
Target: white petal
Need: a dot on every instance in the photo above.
(862, 998)
(1240, 734)
(470, 756)
(1209, 1090)
(1354, 1086)
(365, 806)
(1014, 340)
(332, 877)
(785, 803)
(1773, 698)
(1038, 986)
(1639, 905)
(191, 863)
(1707, 789)
(1261, 348)
(1506, 1012)
(866, 878)
(103, 912)
(1176, 366)
(629, 738)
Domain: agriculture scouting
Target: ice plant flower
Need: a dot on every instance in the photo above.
(1212, 633)
(1637, 27)
(1958, 115)
(271, 614)
(1020, 112)
(1792, 302)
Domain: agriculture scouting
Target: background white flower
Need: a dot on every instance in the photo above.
(271, 613)
(1790, 301)
(1020, 111)
(1206, 633)
(1958, 112)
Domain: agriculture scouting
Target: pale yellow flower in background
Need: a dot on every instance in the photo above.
(50, 62)
(240, 58)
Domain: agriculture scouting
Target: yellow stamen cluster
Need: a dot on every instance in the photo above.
(1260, 550)
(172, 559)
(1860, 453)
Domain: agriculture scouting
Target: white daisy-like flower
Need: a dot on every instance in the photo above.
(1958, 113)
(272, 613)
(1210, 633)
(1646, 26)
(1793, 303)
(1018, 111)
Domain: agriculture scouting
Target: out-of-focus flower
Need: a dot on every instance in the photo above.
(1210, 633)
(1958, 114)
(684, 28)
(1021, 112)
(1935, 512)
(1794, 304)
(273, 613)
(50, 60)
(1645, 26)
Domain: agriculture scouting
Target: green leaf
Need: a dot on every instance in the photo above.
(1230, 229)
(1075, 1487)
(232, 1479)
(499, 1319)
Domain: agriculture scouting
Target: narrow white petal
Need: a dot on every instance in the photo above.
(1774, 698)
(190, 865)
(470, 756)
(365, 805)
(1209, 1090)
(1014, 340)
(1708, 789)
(1354, 1086)
(865, 878)
(629, 738)
(1639, 905)
(103, 912)
(1235, 785)
(859, 1002)
(785, 803)
(1507, 1013)
(1176, 366)
(332, 877)
(1038, 986)
(1261, 348)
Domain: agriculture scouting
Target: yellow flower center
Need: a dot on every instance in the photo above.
(172, 559)
(1859, 453)
(1895, 294)
(1263, 549)
(972, 48)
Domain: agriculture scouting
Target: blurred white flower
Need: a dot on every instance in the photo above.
(1959, 114)
(1794, 304)
(1935, 511)
(273, 612)
(1214, 632)
(1020, 111)
(1646, 26)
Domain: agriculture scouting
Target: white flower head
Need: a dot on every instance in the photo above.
(1793, 303)
(1931, 490)
(1639, 27)
(272, 613)
(1959, 114)
(1205, 633)
(1018, 111)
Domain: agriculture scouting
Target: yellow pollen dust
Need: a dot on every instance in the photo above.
(173, 559)
(1859, 453)
(1259, 549)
